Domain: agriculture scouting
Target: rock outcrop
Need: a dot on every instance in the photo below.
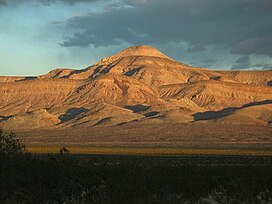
(137, 85)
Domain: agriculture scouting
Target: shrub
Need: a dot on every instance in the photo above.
(10, 144)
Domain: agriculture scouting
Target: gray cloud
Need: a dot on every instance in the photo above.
(3, 2)
(264, 66)
(70, 2)
(242, 63)
(241, 26)
(196, 48)
(254, 46)
(47, 2)
(207, 63)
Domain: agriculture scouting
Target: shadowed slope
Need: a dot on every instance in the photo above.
(252, 113)
(215, 95)
(139, 85)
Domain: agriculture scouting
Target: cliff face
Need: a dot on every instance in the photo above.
(139, 84)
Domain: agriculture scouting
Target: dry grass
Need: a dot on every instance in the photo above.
(201, 134)
(147, 150)
(163, 139)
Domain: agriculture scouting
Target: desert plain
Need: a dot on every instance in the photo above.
(142, 99)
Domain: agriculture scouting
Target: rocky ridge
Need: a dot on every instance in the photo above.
(137, 85)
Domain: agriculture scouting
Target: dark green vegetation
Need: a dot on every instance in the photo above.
(9, 144)
(134, 179)
(68, 178)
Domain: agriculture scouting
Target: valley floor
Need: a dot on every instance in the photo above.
(191, 138)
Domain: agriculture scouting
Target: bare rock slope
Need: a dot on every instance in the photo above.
(137, 85)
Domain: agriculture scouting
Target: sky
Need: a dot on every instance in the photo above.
(37, 36)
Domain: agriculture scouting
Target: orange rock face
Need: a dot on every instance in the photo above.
(137, 85)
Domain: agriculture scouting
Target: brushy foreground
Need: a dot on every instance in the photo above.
(26, 178)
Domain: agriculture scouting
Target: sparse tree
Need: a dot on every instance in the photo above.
(10, 144)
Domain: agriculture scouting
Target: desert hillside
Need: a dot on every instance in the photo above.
(139, 85)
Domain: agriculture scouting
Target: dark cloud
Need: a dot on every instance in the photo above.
(207, 63)
(70, 2)
(254, 46)
(196, 48)
(242, 26)
(244, 59)
(242, 63)
(3, 2)
(47, 2)
(264, 66)
(54, 22)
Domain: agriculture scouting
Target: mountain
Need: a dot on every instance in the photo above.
(137, 86)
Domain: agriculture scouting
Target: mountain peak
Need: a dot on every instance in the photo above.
(141, 50)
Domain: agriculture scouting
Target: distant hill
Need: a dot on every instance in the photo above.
(139, 85)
